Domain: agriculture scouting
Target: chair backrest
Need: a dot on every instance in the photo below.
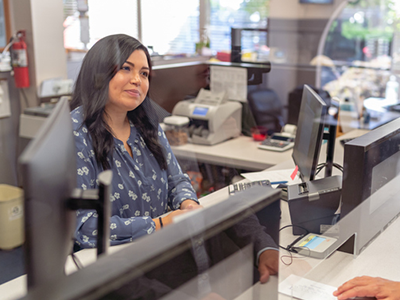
(266, 108)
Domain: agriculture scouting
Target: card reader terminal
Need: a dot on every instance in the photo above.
(315, 245)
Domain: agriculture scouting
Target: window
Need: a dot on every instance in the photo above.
(5, 29)
(170, 27)
(360, 50)
(234, 13)
(111, 17)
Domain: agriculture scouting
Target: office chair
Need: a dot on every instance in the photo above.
(266, 109)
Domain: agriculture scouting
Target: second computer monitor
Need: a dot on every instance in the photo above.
(310, 130)
(371, 180)
(49, 176)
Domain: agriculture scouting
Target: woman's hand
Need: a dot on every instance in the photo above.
(186, 206)
(190, 204)
(168, 219)
(365, 286)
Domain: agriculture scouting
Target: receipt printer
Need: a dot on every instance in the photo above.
(211, 122)
(313, 204)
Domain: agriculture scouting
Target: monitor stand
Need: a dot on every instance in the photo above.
(100, 201)
(313, 204)
(330, 137)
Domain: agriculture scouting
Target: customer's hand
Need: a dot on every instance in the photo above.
(268, 264)
(213, 296)
(366, 286)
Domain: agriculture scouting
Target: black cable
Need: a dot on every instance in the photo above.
(323, 165)
(292, 226)
(289, 248)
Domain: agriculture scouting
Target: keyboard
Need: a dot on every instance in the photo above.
(241, 186)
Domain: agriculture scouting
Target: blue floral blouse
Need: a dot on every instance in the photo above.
(140, 189)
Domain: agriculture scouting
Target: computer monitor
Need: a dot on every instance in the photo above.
(48, 169)
(201, 253)
(310, 131)
(372, 175)
(313, 202)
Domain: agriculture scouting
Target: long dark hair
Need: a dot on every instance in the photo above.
(99, 66)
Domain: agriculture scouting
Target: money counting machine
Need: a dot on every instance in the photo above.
(213, 119)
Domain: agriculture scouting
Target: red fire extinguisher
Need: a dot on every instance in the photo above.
(19, 59)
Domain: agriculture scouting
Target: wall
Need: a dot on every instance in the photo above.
(43, 22)
(9, 132)
(279, 9)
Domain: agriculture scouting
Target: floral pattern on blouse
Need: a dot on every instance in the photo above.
(141, 191)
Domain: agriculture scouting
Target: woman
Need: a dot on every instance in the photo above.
(115, 128)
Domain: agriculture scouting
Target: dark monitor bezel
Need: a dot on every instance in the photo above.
(48, 169)
(307, 167)
(358, 163)
(361, 156)
(112, 271)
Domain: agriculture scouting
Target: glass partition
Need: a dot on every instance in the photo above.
(205, 254)
(208, 111)
(356, 58)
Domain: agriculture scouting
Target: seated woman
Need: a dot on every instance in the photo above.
(115, 128)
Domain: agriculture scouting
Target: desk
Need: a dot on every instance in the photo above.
(240, 152)
(338, 268)
(379, 115)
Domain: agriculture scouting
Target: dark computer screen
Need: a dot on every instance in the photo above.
(48, 171)
(310, 130)
(371, 176)
(209, 252)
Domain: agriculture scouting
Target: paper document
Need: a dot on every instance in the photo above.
(231, 80)
(273, 176)
(210, 98)
(305, 289)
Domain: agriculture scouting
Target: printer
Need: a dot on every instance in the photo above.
(213, 118)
